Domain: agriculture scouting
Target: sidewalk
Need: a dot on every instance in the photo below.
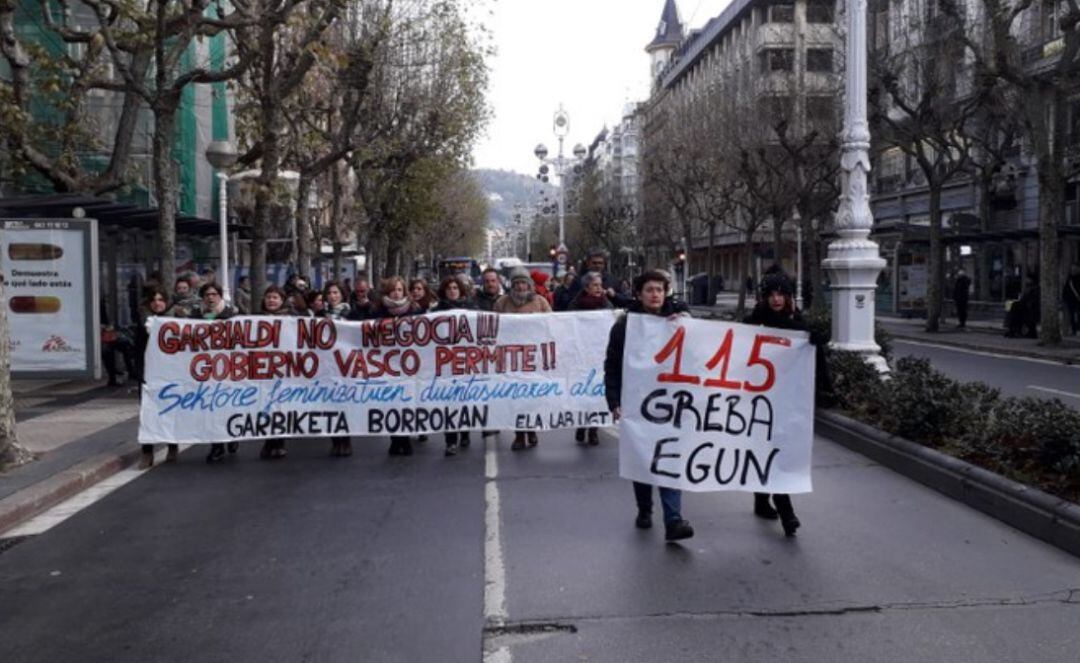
(981, 335)
(80, 433)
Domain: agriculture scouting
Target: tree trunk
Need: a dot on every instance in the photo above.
(336, 216)
(11, 453)
(1051, 211)
(165, 190)
(710, 296)
(258, 246)
(936, 278)
(748, 258)
(303, 226)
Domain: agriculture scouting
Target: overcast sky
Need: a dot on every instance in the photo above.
(585, 54)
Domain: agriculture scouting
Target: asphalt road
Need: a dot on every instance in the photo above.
(1014, 376)
(523, 557)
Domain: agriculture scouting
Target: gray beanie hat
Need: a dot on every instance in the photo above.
(520, 274)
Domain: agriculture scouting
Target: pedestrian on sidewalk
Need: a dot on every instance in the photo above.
(961, 290)
(650, 290)
(337, 309)
(522, 298)
(776, 308)
(156, 303)
(455, 295)
(395, 302)
(1071, 297)
(273, 305)
(213, 308)
(591, 298)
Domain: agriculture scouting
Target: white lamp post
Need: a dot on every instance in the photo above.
(222, 155)
(853, 261)
(561, 126)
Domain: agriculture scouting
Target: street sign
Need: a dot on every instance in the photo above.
(561, 255)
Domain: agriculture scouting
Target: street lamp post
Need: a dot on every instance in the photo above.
(222, 155)
(853, 261)
(561, 126)
(796, 219)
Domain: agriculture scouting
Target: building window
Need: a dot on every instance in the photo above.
(819, 11)
(782, 11)
(819, 59)
(777, 59)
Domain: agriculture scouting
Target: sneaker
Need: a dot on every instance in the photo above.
(643, 520)
(677, 530)
(451, 449)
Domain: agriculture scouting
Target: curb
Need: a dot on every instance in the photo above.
(1030, 510)
(1046, 356)
(42, 496)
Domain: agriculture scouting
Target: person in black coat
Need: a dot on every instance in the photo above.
(650, 290)
(1071, 296)
(961, 290)
(213, 307)
(776, 308)
(454, 295)
(597, 262)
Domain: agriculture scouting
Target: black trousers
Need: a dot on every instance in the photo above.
(962, 311)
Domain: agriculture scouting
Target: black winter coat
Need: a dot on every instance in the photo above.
(763, 315)
(617, 345)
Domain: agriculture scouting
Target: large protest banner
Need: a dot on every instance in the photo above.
(710, 406)
(265, 377)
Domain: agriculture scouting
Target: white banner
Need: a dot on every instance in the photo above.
(710, 406)
(264, 377)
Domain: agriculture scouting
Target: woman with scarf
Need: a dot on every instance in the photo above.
(522, 299)
(591, 298)
(213, 307)
(273, 305)
(337, 308)
(395, 302)
(455, 295)
(776, 308)
(156, 303)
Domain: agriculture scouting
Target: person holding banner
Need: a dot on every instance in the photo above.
(455, 295)
(337, 308)
(213, 308)
(776, 308)
(590, 298)
(395, 302)
(522, 298)
(490, 290)
(650, 292)
(422, 295)
(157, 301)
(362, 306)
(273, 304)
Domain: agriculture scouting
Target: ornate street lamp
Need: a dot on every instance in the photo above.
(854, 261)
(222, 155)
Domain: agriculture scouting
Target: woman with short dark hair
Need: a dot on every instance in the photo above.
(455, 294)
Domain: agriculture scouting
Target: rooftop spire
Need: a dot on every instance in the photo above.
(670, 31)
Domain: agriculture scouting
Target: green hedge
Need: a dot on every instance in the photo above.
(1031, 440)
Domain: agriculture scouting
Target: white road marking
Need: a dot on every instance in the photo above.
(1053, 391)
(983, 353)
(494, 567)
(76, 503)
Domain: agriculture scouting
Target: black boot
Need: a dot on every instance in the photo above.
(395, 447)
(787, 514)
(217, 452)
(762, 508)
(643, 520)
(678, 530)
(579, 436)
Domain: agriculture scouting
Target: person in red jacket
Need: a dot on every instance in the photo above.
(540, 280)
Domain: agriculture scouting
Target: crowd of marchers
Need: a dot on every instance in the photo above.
(522, 293)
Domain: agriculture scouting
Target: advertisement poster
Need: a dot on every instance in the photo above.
(266, 377)
(714, 406)
(48, 267)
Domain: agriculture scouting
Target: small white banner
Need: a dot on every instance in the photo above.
(709, 406)
(266, 377)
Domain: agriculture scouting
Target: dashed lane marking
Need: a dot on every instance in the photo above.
(494, 567)
(1053, 391)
